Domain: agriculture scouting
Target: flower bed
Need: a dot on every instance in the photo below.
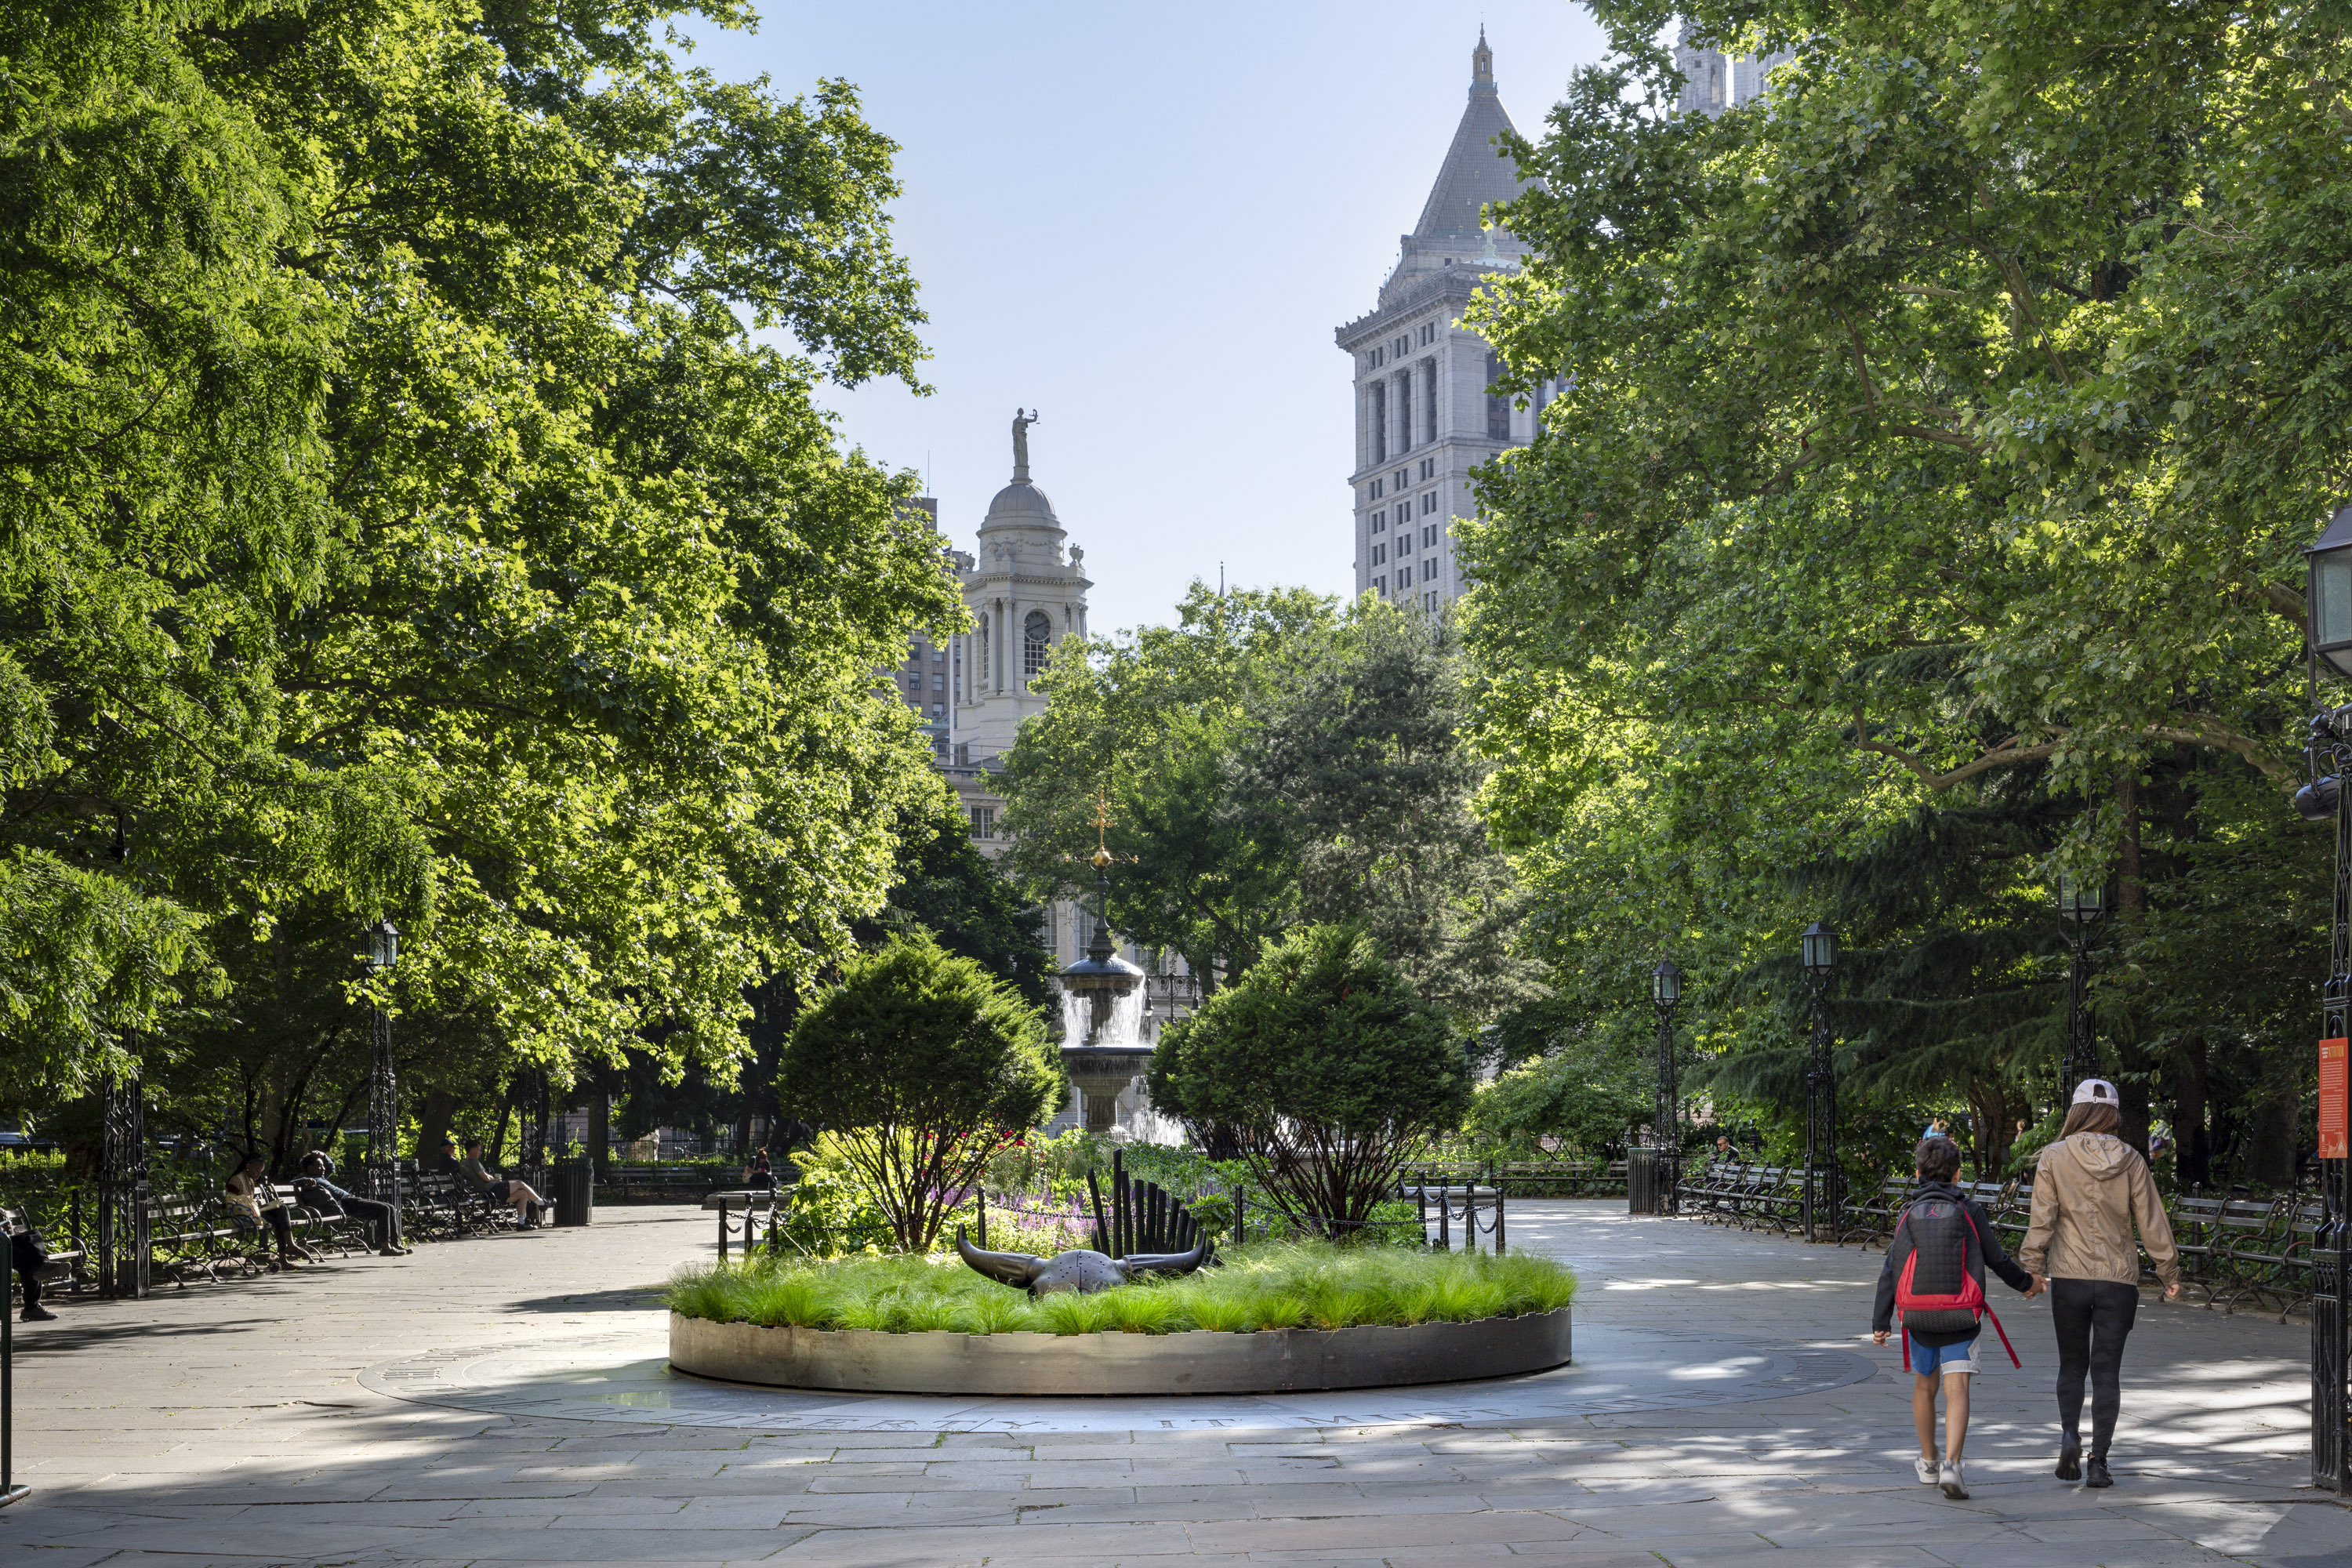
(1258, 1288)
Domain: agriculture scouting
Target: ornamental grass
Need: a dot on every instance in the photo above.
(1274, 1285)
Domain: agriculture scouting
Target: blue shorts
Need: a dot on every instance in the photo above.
(1942, 1359)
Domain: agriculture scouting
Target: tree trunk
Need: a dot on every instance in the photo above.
(600, 1128)
(2132, 1064)
(2193, 1156)
(2269, 1162)
(433, 1118)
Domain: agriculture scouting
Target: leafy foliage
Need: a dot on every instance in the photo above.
(1323, 1067)
(1919, 516)
(921, 1065)
(402, 520)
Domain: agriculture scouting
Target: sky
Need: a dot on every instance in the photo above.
(1145, 222)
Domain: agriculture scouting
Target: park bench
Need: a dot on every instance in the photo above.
(2252, 1241)
(1717, 1192)
(658, 1185)
(65, 1260)
(1871, 1216)
(2196, 1220)
(188, 1233)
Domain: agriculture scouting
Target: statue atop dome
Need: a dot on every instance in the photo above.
(1021, 423)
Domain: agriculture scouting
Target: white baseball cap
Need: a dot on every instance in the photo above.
(2095, 1091)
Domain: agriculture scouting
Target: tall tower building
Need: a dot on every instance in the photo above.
(1714, 82)
(1425, 417)
(1027, 589)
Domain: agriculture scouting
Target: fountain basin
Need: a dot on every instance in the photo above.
(1273, 1361)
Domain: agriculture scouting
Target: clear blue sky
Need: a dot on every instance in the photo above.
(1145, 222)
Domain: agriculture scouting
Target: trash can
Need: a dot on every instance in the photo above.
(573, 1185)
(1641, 1180)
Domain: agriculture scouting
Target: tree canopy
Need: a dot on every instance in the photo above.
(403, 520)
(921, 1064)
(1323, 1067)
(1274, 760)
(1920, 516)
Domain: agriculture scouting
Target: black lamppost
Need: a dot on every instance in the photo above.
(382, 950)
(1667, 994)
(1817, 952)
(2079, 907)
(2328, 605)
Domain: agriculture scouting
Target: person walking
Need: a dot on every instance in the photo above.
(1935, 1271)
(2089, 1188)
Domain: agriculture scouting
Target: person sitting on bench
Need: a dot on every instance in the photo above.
(497, 1188)
(252, 1201)
(29, 1257)
(315, 1189)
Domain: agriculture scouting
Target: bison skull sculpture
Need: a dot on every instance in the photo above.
(1085, 1272)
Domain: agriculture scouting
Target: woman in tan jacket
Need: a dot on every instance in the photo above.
(2089, 1188)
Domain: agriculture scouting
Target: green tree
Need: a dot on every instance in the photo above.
(1361, 769)
(404, 521)
(1154, 719)
(1937, 438)
(1323, 1067)
(921, 1064)
(1555, 1096)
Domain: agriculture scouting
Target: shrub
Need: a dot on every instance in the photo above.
(1324, 1068)
(1271, 1286)
(1554, 1096)
(922, 1066)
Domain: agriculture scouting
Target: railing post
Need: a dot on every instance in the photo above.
(9, 1491)
(1498, 1219)
(1444, 1216)
(723, 1230)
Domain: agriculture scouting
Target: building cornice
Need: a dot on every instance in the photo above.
(1446, 283)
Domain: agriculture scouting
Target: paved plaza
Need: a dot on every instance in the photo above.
(501, 1400)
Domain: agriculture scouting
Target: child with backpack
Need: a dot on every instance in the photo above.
(1934, 1272)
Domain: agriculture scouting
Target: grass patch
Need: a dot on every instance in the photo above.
(1274, 1285)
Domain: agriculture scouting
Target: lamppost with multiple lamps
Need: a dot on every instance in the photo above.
(1817, 953)
(382, 950)
(1667, 994)
(2328, 756)
(2080, 905)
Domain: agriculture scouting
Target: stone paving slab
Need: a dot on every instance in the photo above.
(231, 1424)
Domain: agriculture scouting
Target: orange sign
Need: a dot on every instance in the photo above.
(2331, 1099)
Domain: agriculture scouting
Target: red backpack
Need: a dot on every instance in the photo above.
(1936, 1220)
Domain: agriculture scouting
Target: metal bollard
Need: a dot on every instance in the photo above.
(723, 1230)
(1498, 1219)
(1444, 1217)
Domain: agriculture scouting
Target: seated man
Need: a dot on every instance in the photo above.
(497, 1189)
(29, 1257)
(315, 1189)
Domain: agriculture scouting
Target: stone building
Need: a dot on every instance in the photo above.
(1424, 416)
(1714, 82)
(921, 681)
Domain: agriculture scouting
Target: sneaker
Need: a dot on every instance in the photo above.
(1955, 1484)
(2096, 1473)
(1926, 1470)
(36, 1313)
(2070, 1460)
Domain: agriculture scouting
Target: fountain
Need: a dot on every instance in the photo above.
(1111, 1051)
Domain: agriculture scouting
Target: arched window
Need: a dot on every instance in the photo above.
(1036, 636)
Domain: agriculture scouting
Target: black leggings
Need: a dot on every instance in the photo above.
(2094, 1317)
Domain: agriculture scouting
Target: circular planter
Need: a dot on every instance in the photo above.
(1277, 1361)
